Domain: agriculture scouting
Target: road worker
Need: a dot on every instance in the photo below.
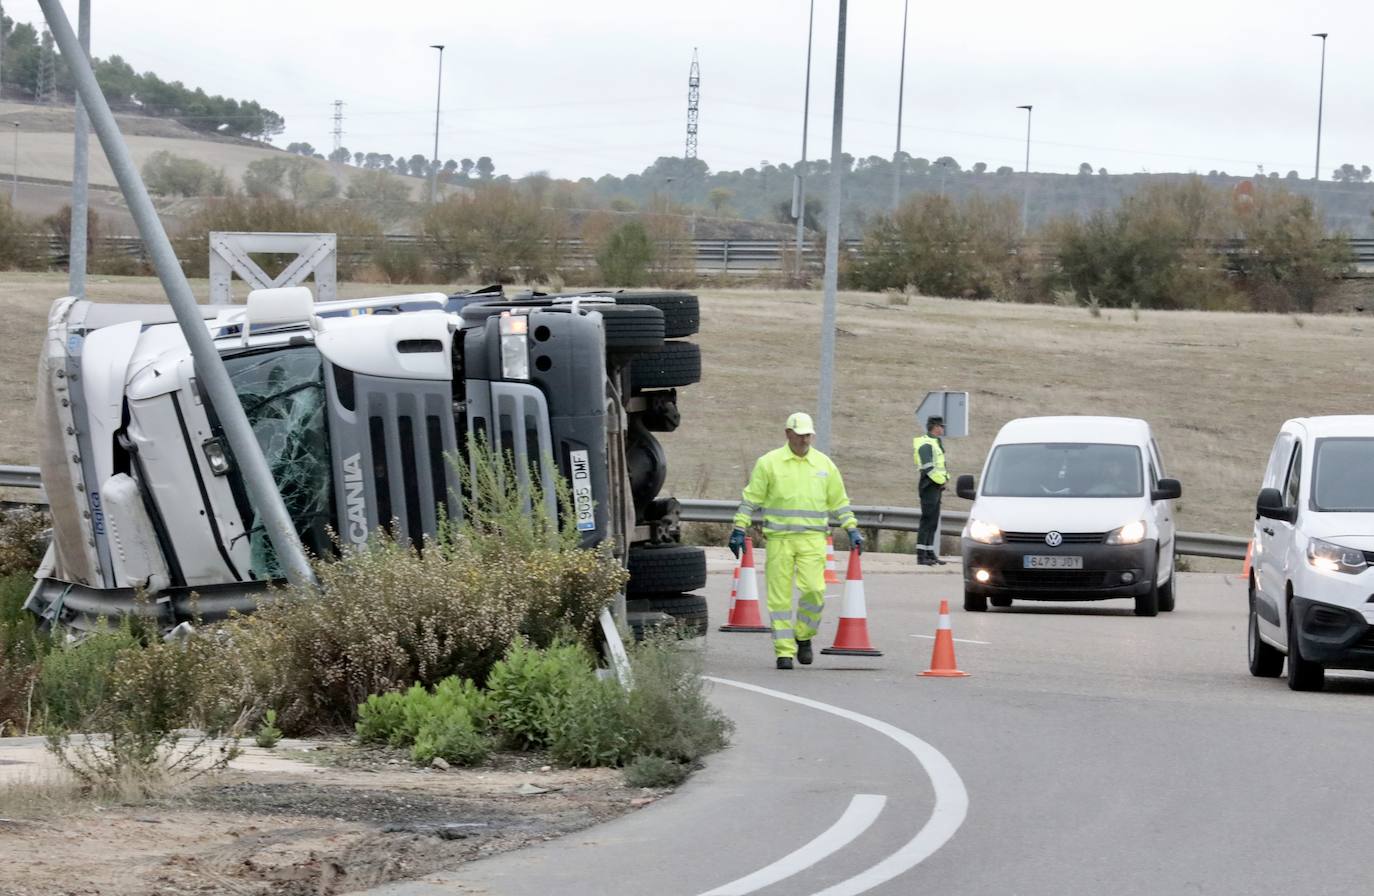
(929, 454)
(797, 489)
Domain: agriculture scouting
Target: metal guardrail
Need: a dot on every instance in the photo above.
(908, 519)
(897, 519)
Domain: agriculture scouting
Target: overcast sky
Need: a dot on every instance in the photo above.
(594, 87)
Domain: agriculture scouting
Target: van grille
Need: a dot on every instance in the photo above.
(1069, 537)
(1067, 580)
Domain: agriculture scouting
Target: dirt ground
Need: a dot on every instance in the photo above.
(291, 828)
(1215, 386)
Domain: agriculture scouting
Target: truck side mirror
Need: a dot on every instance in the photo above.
(1270, 506)
(963, 487)
(1166, 490)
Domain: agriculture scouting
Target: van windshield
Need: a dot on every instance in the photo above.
(1064, 470)
(1343, 476)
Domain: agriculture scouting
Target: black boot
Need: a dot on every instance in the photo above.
(923, 558)
(784, 662)
(804, 653)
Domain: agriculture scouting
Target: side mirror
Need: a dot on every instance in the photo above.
(963, 487)
(1166, 490)
(1270, 506)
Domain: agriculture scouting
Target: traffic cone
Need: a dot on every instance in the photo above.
(851, 639)
(744, 610)
(832, 577)
(1245, 570)
(942, 664)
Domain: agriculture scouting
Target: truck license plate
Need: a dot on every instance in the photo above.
(1051, 561)
(582, 490)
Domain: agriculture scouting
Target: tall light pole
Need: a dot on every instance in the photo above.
(832, 245)
(1025, 195)
(434, 165)
(901, 88)
(14, 181)
(1321, 91)
(76, 250)
(799, 183)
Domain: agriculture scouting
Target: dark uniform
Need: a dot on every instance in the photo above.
(929, 455)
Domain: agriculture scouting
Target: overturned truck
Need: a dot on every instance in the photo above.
(358, 406)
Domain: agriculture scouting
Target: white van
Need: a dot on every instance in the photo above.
(1312, 571)
(1071, 508)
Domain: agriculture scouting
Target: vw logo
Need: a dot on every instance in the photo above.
(1053, 539)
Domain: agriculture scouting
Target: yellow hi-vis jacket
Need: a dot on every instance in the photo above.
(796, 494)
(929, 454)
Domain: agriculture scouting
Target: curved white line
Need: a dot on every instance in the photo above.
(951, 799)
(862, 812)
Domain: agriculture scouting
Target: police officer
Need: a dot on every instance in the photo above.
(798, 489)
(929, 453)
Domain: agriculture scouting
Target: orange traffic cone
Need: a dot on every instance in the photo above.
(851, 639)
(942, 664)
(744, 610)
(1245, 570)
(832, 577)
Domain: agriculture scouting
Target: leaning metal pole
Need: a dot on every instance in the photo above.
(262, 491)
(832, 247)
(76, 255)
(800, 211)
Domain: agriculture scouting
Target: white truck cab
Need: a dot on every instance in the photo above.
(1312, 571)
(1071, 508)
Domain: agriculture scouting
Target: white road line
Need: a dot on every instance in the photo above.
(956, 640)
(951, 799)
(862, 812)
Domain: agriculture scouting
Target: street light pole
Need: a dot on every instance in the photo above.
(832, 245)
(1321, 92)
(14, 182)
(901, 89)
(799, 184)
(1025, 195)
(434, 165)
(76, 250)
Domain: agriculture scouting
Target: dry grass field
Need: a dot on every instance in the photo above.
(1215, 386)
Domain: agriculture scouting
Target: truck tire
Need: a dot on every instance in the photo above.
(687, 609)
(631, 330)
(666, 568)
(681, 310)
(675, 364)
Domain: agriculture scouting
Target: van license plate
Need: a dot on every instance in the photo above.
(1051, 561)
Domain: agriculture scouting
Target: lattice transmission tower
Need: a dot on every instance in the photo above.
(693, 105)
(47, 71)
(338, 124)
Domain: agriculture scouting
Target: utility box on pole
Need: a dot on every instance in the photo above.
(952, 406)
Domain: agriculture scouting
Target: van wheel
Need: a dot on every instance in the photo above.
(1148, 604)
(974, 602)
(1265, 661)
(1000, 600)
(1166, 594)
(1303, 675)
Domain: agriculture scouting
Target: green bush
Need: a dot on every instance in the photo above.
(379, 716)
(169, 174)
(655, 771)
(451, 722)
(528, 684)
(498, 235)
(625, 258)
(21, 649)
(668, 704)
(76, 679)
(268, 734)
(592, 724)
(451, 735)
(22, 541)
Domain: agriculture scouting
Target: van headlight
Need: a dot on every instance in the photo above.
(515, 351)
(984, 533)
(1131, 533)
(1328, 557)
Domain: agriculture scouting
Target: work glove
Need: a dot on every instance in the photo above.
(856, 541)
(737, 542)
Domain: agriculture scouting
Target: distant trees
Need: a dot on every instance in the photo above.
(172, 175)
(1349, 174)
(1085, 170)
(497, 234)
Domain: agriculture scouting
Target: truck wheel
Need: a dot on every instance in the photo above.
(666, 568)
(676, 364)
(631, 330)
(681, 310)
(1303, 675)
(688, 609)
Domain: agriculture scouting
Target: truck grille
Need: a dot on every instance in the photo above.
(1069, 537)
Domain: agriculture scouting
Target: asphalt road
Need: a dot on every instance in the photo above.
(1090, 752)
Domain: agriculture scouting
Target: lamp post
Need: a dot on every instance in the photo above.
(1321, 91)
(434, 164)
(14, 182)
(901, 88)
(1025, 194)
(832, 244)
(799, 184)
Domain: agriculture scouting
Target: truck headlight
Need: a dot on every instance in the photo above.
(984, 533)
(1328, 557)
(1131, 533)
(515, 351)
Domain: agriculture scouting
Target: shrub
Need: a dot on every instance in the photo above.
(1289, 260)
(453, 736)
(21, 649)
(77, 678)
(497, 234)
(672, 716)
(268, 734)
(528, 685)
(592, 724)
(172, 175)
(22, 540)
(380, 716)
(452, 722)
(17, 246)
(624, 259)
(401, 263)
(654, 771)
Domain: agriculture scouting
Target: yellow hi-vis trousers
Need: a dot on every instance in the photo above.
(800, 555)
